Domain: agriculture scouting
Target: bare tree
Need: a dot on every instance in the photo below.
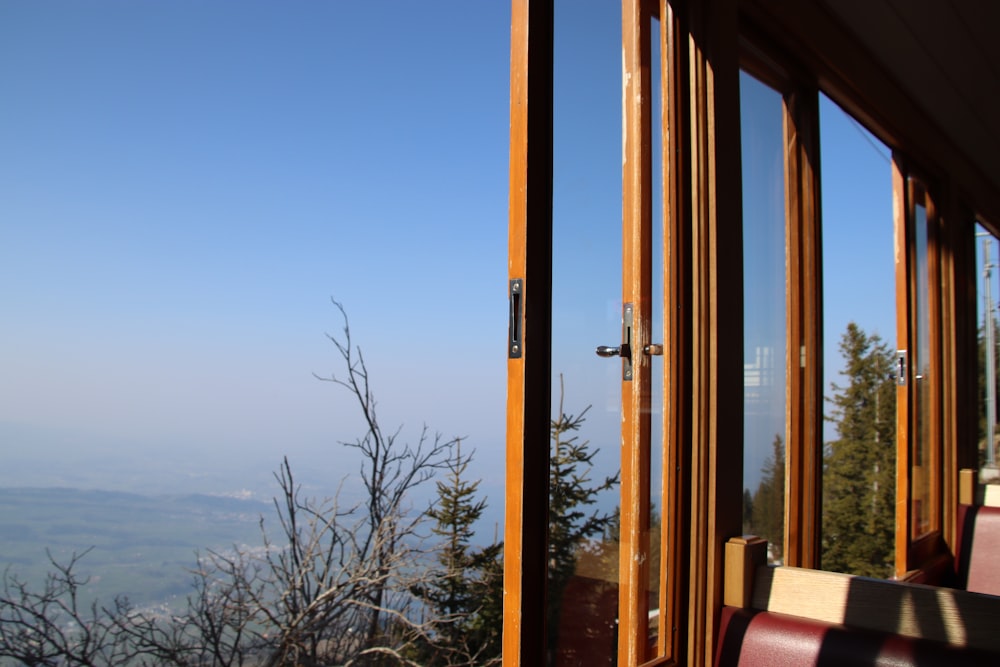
(390, 471)
(54, 626)
(331, 585)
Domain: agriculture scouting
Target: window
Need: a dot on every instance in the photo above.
(764, 335)
(859, 306)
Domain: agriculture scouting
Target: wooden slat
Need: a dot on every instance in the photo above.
(637, 198)
(804, 363)
(951, 230)
(529, 377)
(676, 342)
(903, 342)
(941, 614)
(716, 463)
(936, 334)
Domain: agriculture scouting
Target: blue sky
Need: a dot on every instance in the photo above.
(183, 187)
(185, 184)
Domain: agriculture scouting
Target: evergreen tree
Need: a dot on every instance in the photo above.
(768, 505)
(859, 482)
(981, 356)
(572, 524)
(747, 512)
(465, 594)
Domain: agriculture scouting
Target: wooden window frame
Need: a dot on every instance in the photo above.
(915, 555)
(702, 260)
(529, 373)
(637, 199)
(713, 475)
(803, 295)
(676, 388)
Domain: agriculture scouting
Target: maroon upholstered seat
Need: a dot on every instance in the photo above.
(749, 638)
(981, 550)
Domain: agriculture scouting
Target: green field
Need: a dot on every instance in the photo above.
(142, 546)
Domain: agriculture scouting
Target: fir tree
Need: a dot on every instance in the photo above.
(982, 359)
(572, 524)
(747, 512)
(465, 594)
(768, 505)
(859, 482)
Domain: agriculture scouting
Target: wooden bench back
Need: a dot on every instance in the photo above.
(955, 617)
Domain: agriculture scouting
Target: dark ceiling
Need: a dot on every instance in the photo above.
(946, 56)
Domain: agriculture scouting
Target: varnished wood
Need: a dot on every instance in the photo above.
(950, 230)
(637, 200)
(936, 331)
(744, 555)
(961, 435)
(963, 248)
(671, 643)
(967, 483)
(716, 467)
(924, 547)
(529, 377)
(804, 388)
(903, 342)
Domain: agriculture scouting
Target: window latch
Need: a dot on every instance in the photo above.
(625, 349)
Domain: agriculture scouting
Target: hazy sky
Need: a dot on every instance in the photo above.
(185, 184)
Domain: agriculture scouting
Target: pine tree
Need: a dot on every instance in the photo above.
(465, 596)
(859, 479)
(981, 356)
(571, 491)
(768, 504)
(747, 512)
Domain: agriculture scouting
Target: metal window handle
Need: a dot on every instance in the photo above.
(625, 349)
(609, 351)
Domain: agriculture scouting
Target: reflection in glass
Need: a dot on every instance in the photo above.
(586, 294)
(920, 484)
(764, 351)
(986, 344)
(859, 323)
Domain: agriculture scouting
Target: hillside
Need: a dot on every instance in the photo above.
(143, 546)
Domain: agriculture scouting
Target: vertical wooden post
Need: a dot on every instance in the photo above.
(804, 361)
(716, 468)
(904, 341)
(743, 556)
(675, 508)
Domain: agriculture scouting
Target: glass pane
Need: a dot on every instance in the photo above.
(761, 114)
(920, 481)
(587, 311)
(859, 323)
(986, 249)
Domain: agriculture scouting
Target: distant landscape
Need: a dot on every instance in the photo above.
(141, 546)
